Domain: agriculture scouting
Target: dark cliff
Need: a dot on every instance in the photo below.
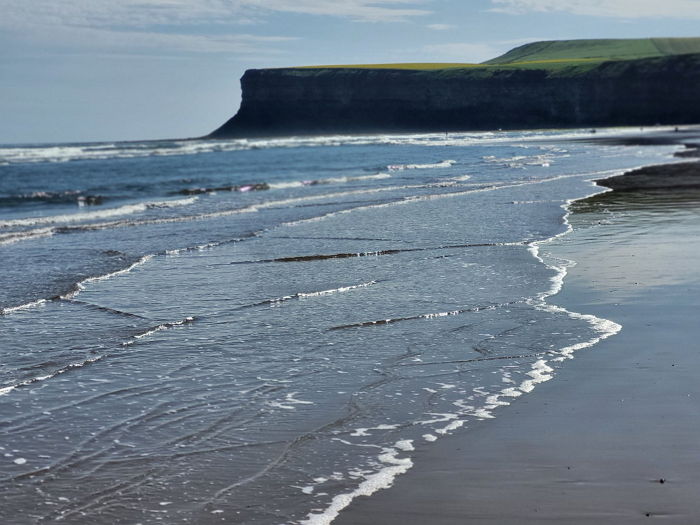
(295, 101)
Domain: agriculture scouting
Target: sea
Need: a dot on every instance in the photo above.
(259, 331)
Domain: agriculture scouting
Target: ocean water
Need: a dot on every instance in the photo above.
(258, 331)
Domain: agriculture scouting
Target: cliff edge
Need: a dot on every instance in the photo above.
(528, 87)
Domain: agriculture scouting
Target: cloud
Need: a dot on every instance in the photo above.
(141, 13)
(362, 10)
(681, 9)
(440, 27)
(195, 26)
(171, 44)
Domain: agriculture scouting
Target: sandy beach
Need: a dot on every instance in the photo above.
(612, 438)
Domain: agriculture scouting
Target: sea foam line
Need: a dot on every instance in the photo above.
(80, 286)
(12, 237)
(442, 164)
(127, 209)
(26, 306)
(158, 328)
(329, 180)
(115, 150)
(435, 315)
(372, 483)
(72, 366)
(251, 208)
(277, 301)
(540, 372)
(437, 196)
(6, 390)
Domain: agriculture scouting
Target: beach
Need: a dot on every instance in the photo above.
(262, 332)
(612, 438)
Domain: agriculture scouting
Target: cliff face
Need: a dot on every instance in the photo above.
(346, 100)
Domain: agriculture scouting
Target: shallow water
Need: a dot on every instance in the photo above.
(258, 331)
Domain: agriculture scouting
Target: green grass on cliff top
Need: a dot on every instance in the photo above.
(611, 49)
(556, 55)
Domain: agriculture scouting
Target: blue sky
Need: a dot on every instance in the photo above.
(89, 70)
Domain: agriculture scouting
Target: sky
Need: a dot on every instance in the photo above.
(105, 70)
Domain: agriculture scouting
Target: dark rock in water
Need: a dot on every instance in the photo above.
(682, 175)
(641, 92)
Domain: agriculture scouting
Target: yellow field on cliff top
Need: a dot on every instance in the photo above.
(555, 54)
(455, 65)
(408, 65)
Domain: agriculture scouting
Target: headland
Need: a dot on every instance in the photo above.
(557, 84)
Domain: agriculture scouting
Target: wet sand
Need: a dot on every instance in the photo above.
(681, 175)
(613, 437)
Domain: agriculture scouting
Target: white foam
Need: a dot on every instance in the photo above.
(441, 164)
(439, 418)
(604, 327)
(6, 390)
(27, 306)
(81, 285)
(12, 237)
(159, 328)
(332, 291)
(372, 483)
(540, 373)
(127, 209)
(116, 150)
(454, 425)
(365, 431)
(346, 442)
(405, 445)
(376, 176)
(540, 370)
(289, 402)
(329, 180)
(414, 199)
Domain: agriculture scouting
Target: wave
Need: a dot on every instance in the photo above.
(132, 209)
(158, 328)
(391, 467)
(12, 237)
(127, 209)
(544, 160)
(442, 164)
(262, 186)
(94, 359)
(35, 153)
(53, 197)
(26, 306)
(377, 253)
(277, 301)
(436, 315)
(7, 389)
(80, 286)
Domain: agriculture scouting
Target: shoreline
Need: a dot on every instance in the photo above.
(514, 469)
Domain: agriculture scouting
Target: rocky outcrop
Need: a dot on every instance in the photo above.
(346, 100)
